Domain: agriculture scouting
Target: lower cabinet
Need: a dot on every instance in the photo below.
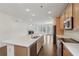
(40, 44)
(25, 51)
(20, 51)
(66, 52)
(3, 51)
(33, 50)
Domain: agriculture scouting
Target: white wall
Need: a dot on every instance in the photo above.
(9, 28)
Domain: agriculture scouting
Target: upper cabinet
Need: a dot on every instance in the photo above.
(60, 25)
(62, 22)
(72, 10)
(68, 11)
(76, 15)
(66, 14)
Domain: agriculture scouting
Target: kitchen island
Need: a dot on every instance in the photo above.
(23, 46)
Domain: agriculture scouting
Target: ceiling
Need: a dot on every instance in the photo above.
(33, 12)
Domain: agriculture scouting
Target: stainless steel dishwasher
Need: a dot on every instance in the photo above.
(59, 47)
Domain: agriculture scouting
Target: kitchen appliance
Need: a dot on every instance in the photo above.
(68, 23)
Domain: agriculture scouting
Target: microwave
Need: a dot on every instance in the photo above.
(68, 23)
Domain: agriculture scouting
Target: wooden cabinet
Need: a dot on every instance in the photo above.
(40, 44)
(69, 11)
(60, 20)
(32, 50)
(61, 49)
(72, 10)
(20, 51)
(25, 51)
(59, 26)
(76, 15)
(62, 24)
(3, 51)
(58, 31)
(66, 52)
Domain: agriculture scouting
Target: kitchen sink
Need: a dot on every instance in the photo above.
(34, 37)
(69, 40)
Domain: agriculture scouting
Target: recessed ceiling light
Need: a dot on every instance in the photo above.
(27, 9)
(50, 17)
(49, 12)
(33, 14)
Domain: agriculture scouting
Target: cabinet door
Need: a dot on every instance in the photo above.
(20, 51)
(3, 51)
(76, 15)
(67, 12)
(66, 52)
(62, 24)
(70, 10)
(33, 50)
(38, 46)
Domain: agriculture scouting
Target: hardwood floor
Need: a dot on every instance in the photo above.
(49, 49)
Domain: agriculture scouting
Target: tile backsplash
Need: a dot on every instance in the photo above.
(73, 34)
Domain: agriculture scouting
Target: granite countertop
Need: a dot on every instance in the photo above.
(73, 48)
(20, 41)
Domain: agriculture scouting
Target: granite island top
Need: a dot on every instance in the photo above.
(20, 41)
